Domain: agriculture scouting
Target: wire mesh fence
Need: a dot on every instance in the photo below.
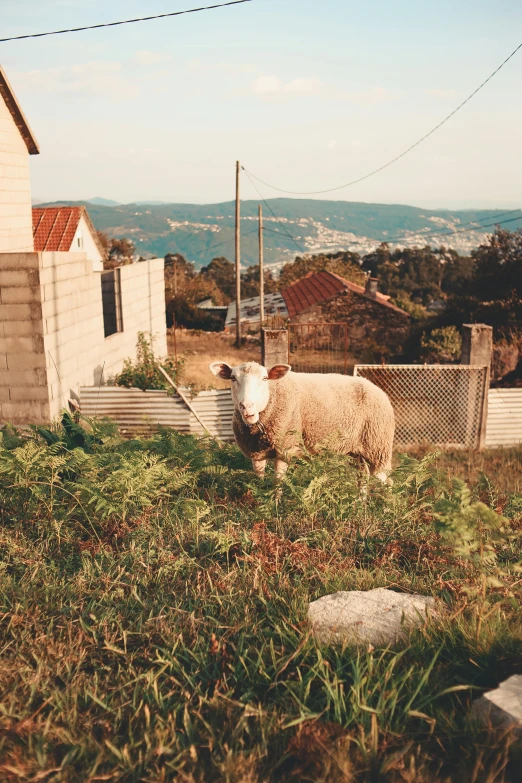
(319, 347)
(440, 405)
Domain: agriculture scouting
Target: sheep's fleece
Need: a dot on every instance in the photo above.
(346, 414)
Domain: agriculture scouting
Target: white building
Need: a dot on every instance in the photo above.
(64, 323)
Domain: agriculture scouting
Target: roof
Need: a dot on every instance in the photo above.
(54, 227)
(318, 287)
(251, 308)
(6, 91)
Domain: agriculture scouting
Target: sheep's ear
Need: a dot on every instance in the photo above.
(278, 371)
(221, 370)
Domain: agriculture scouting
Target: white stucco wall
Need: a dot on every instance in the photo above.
(84, 242)
(51, 328)
(16, 232)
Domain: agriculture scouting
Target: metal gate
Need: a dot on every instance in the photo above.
(440, 405)
(318, 347)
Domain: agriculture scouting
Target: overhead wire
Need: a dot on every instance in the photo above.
(267, 205)
(124, 21)
(397, 157)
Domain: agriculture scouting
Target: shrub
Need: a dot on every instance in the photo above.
(145, 373)
(441, 345)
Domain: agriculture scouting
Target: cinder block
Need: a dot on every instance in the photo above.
(20, 312)
(26, 361)
(24, 412)
(21, 345)
(23, 377)
(4, 394)
(3, 361)
(29, 393)
(17, 261)
(22, 328)
(23, 295)
(19, 278)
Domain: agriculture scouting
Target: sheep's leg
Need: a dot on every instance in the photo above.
(280, 470)
(259, 466)
(364, 477)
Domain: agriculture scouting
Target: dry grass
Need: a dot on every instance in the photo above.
(201, 348)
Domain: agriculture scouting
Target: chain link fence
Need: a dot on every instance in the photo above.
(440, 405)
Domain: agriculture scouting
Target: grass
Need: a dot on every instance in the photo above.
(201, 348)
(153, 603)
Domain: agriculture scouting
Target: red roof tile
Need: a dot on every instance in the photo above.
(54, 228)
(318, 287)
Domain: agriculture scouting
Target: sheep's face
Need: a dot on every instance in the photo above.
(250, 387)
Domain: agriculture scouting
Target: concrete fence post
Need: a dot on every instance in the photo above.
(477, 350)
(274, 347)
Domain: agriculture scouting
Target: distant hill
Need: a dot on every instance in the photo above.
(202, 232)
(103, 202)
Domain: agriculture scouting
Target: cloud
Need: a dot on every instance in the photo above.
(445, 95)
(146, 57)
(373, 95)
(95, 77)
(234, 69)
(273, 86)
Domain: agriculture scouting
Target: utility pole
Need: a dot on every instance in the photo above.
(261, 271)
(175, 265)
(238, 259)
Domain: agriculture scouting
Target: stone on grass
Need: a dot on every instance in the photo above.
(502, 707)
(379, 616)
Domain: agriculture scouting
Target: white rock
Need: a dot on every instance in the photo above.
(502, 707)
(377, 616)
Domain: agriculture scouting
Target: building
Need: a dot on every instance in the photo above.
(17, 142)
(67, 229)
(251, 310)
(64, 323)
(376, 325)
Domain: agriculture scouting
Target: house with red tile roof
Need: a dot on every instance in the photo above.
(67, 229)
(377, 327)
(64, 322)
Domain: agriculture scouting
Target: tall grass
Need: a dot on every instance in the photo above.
(153, 615)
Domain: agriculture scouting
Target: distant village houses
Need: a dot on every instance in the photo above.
(374, 322)
(64, 322)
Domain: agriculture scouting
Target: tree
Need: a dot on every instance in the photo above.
(250, 282)
(345, 264)
(118, 252)
(222, 272)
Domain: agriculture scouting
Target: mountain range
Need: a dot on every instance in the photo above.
(291, 227)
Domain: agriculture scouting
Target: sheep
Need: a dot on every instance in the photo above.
(278, 412)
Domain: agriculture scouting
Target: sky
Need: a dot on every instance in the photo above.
(307, 95)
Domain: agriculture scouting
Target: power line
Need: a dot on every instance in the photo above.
(125, 21)
(267, 205)
(402, 154)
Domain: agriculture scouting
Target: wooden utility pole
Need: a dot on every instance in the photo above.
(261, 270)
(238, 259)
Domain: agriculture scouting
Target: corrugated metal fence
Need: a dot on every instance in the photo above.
(504, 422)
(137, 412)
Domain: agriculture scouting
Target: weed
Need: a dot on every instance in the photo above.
(153, 604)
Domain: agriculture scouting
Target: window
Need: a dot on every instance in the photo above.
(80, 239)
(111, 300)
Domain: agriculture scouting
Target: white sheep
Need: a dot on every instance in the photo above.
(277, 412)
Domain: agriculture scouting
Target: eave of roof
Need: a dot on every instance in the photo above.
(6, 91)
(318, 287)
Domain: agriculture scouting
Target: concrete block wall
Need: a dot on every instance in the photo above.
(51, 329)
(16, 230)
(24, 393)
(77, 352)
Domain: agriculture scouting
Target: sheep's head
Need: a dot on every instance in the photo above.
(250, 387)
